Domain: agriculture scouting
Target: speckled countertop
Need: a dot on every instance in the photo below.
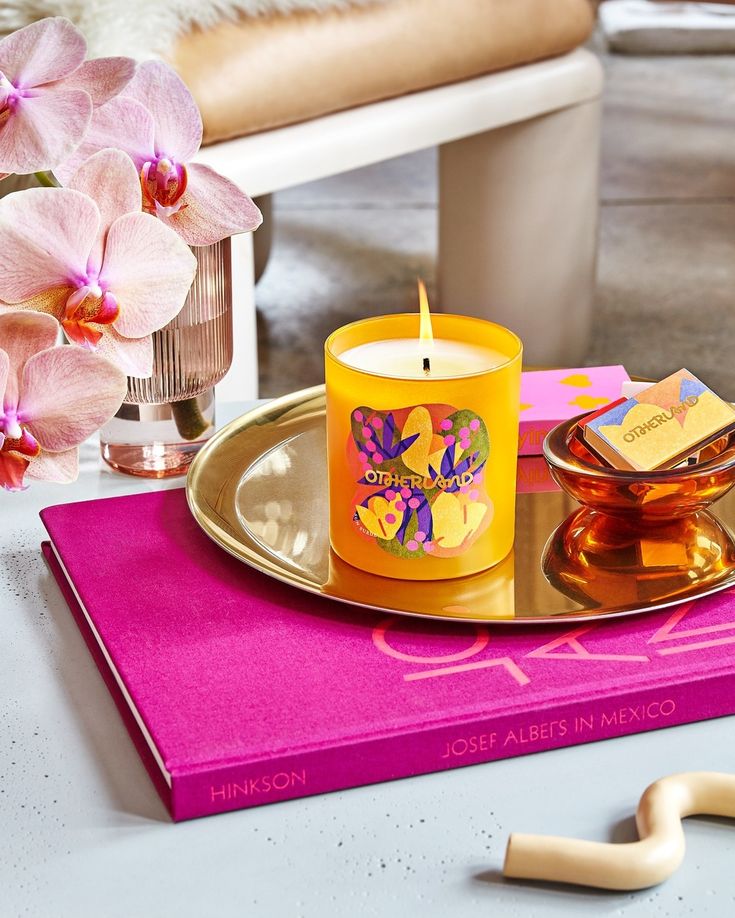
(84, 833)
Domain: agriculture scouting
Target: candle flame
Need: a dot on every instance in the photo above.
(426, 334)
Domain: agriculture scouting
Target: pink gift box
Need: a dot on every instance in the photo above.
(551, 396)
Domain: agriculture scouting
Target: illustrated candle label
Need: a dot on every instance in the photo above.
(420, 479)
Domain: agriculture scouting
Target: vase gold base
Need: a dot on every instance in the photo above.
(149, 440)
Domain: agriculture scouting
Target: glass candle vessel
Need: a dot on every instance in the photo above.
(422, 452)
(166, 418)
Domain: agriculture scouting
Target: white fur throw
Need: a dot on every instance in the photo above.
(148, 28)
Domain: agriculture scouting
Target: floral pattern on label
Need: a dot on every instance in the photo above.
(420, 475)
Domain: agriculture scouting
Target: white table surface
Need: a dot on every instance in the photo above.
(85, 834)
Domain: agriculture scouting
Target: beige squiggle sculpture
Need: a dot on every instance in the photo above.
(627, 866)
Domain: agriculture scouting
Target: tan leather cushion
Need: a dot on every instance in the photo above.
(260, 73)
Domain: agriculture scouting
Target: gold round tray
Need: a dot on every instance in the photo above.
(259, 489)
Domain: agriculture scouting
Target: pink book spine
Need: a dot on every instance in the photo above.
(432, 749)
(151, 766)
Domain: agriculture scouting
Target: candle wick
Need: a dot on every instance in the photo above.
(427, 366)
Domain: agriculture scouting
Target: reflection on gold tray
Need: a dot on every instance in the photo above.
(259, 489)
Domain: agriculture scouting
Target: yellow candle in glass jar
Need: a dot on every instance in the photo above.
(422, 444)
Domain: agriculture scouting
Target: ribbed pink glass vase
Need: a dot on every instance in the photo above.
(166, 419)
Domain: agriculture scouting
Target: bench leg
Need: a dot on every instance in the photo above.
(263, 239)
(518, 230)
(241, 382)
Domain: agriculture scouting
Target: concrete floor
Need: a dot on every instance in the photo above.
(353, 245)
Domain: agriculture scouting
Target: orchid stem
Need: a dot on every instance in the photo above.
(188, 417)
(48, 180)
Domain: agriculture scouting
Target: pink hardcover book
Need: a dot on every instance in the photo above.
(551, 396)
(238, 690)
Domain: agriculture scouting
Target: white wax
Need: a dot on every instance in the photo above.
(404, 358)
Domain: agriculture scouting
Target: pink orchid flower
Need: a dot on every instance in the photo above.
(85, 254)
(157, 123)
(47, 94)
(51, 399)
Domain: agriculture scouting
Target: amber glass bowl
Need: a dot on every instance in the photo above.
(638, 496)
